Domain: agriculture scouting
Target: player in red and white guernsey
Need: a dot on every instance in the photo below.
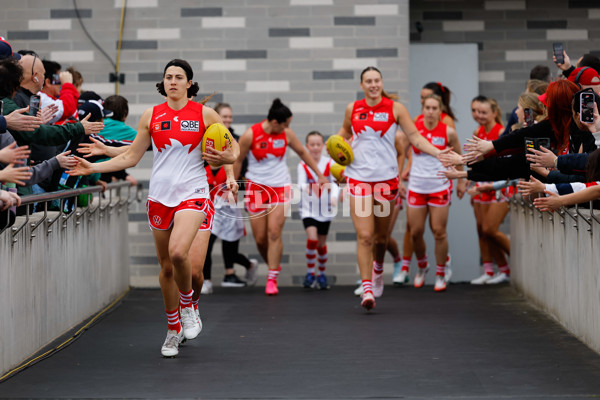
(373, 175)
(268, 189)
(490, 212)
(430, 194)
(401, 270)
(318, 207)
(179, 208)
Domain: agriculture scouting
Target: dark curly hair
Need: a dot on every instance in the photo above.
(11, 74)
(189, 74)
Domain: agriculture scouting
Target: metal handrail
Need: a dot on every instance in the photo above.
(585, 218)
(63, 194)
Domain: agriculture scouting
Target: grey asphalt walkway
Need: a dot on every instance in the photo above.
(470, 342)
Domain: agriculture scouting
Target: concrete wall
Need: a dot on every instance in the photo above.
(53, 281)
(555, 265)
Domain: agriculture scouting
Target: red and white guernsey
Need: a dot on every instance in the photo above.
(315, 203)
(424, 168)
(266, 159)
(374, 133)
(178, 170)
(493, 134)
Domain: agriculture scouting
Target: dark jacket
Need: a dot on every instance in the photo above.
(51, 135)
(22, 97)
(573, 163)
(516, 166)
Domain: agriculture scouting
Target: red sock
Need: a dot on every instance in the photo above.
(173, 320)
(185, 299)
(311, 254)
(273, 274)
(398, 258)
(367, 286)
(440, 270)
(504, 268)
(406, 263)
(377, 267)
(422, 262)
(488, 267)
(322, 259)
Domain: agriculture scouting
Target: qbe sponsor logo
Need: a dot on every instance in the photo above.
(438, 141)
(190, 126)
(381, 117)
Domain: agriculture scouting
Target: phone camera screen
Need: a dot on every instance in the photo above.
(587, 107)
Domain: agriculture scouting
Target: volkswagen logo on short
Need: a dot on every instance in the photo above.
(156, 219)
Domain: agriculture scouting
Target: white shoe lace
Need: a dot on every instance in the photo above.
(172, 341)
(188, 318)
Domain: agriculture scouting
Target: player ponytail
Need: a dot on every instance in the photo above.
(383, 92)
(278, 112)
(495, 109)
(438, 89)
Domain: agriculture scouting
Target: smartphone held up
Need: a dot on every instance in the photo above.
(558, 53)
(34, 104)
(586, 107)
(529, 118)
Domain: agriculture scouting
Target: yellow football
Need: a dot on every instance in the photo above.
(217, 137)
(337, 171)
(339, 150)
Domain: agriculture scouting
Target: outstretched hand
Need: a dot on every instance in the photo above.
(452, 173)
(18, 175)
(550, 203)
(12, 154)
(20, 120)
(83, 167)
(66, 161)
(47, 113)
(541, 158)
(96, 148)
(477, 148)
(531, 187)
(449, 157)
